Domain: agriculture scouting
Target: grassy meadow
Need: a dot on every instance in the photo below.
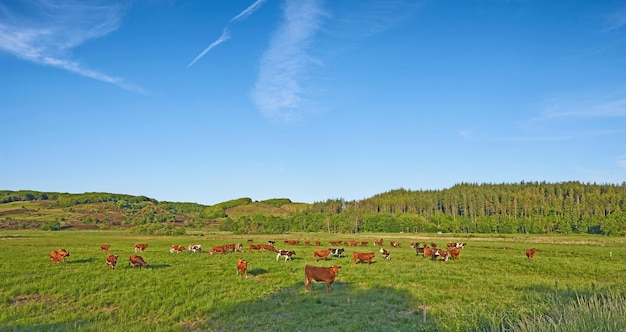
(491, 287)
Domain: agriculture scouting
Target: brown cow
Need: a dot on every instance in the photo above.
(318, 273)
(111, 261)
(176, 249)
(55, 257)
(242, 267)
(378, 242)
(530, 253)
(321, 253)
(365, 257)
(254, 247)
(140, 246)
(217, 249)
(268, 247)
(456, 245)
(395, 244)
(135, 261)
(454, 253)
(105, 247)
(318, 243)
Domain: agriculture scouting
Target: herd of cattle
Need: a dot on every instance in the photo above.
(312, 273)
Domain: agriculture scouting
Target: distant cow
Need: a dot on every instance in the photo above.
(378, 242)
(285, 253)
(530, 253)
(217, 249)
(321, 253)
(334, 243)
(242, 267)
(55, 257)
(254, 247)
(105, 247)
(140, 246)
(317, 243)
(395, 244)
(456, 245)
(268, 247)
(336, 251)
(194, 248)
(135, 261)
(111, 261)
(364, 257)
(385, 253)
(176, 249)
(442, 254)
(318, 273)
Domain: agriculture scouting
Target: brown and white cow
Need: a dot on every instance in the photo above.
(363, 257)
(530, 253)
(242, 267)
(105, 247)
(321, 253)
(378, 242)
(136, 260)
(456, 245)
(285, 253)
(140, 246)
(318, 273)
(395, 244)
(193, 248)
(385, 253)
(176, 249)
(111, 261)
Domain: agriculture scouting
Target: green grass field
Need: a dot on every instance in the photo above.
(491, 287)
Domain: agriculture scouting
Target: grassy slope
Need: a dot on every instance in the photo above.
(201, 292)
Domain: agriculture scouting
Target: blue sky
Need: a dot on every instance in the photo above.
(207, 101)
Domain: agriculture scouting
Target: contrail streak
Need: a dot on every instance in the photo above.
(225, 33)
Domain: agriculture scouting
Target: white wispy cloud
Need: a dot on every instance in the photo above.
(46, 33)
(278, 92)
(583, 107)
(225, 32)
(616, 20)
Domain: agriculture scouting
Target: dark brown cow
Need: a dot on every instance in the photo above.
(140, 246)
(242, 267)
(318, 273)
(111, 261)
(530, 253)
(363, 257)
(321, 253)
(135, 261)
(105, 247)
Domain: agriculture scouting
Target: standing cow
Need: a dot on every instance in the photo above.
(242, 267)
(317, 273)
(111, 261)
(530, 253)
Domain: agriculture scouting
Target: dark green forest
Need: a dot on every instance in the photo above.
(525, 208)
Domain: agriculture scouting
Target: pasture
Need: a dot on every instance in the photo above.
(491, 287)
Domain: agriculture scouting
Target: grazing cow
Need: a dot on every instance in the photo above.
(430, 252)
(336, 251)
(217, 249)
(254, 247)
(318, 243)
(239, 247)
(229, 246)
(250, 240)
(334, 243)
(364, 257)
(268, 247)
(353, 243)
(385, 253)
(378, 242)
(443, 254)
(285, 253)
(318, 273)
(242, 267)
(195, 248)
(530, 253)
(395, 244)
(135, 261)
(111, 261)
(454, 253)
(176, 249)
(364, 243)
(307, 242)
(140, 246)
(63, 253)
(321, 253)
(55, 257)
(105, 247)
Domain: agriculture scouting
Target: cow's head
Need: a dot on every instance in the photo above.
(335, 269)
(63, 252)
